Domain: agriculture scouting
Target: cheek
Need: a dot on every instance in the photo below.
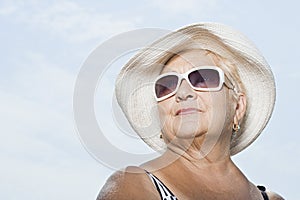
(164, 110)
(223, 111)
(217, 113)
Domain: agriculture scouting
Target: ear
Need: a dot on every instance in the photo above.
(240, 108)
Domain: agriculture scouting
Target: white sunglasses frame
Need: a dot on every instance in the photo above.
(185, 76)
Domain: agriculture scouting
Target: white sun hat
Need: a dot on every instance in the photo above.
(134, 84)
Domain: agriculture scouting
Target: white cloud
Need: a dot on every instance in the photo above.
(295, 75)
(67, 19)
(67, 179)
(39, 147)
(36, 103)
(37, 79)
(187, 7)
(8, 10)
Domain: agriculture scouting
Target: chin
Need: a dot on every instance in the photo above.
(190, 131)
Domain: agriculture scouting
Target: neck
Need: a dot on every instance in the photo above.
(199, 153)
(202, 150)
(200, 159)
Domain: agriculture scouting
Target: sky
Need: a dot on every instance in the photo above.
(44, 45)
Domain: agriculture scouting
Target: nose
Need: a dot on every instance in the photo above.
(185, 92)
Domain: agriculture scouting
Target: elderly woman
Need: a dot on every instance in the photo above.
(198, 95)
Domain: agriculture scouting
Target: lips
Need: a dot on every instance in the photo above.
(186, 111)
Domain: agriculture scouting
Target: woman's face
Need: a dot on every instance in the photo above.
(190, 113)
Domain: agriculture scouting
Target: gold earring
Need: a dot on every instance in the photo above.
(236, 128)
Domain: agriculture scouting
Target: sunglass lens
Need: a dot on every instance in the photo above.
(165, 85)
(205, 78)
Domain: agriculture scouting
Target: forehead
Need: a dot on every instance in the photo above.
(187, 60)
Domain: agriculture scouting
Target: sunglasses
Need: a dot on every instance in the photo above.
(204, 78)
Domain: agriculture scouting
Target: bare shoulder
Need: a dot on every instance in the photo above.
(131, 183)
(274, 196)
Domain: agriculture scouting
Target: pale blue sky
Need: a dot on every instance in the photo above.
(43, 45)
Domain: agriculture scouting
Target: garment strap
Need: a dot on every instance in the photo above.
(263, 192)
(164, 192)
